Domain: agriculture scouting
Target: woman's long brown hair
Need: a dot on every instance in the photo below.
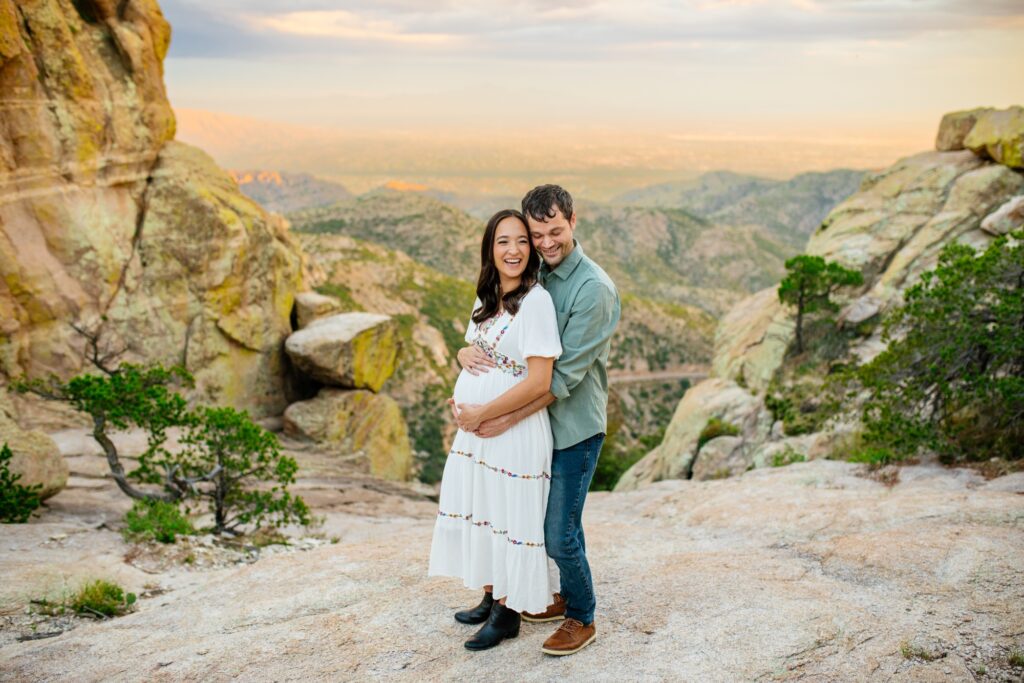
(488, 285)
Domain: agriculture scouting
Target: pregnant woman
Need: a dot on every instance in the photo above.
(490, 522)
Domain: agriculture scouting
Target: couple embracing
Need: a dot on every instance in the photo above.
(531, 406)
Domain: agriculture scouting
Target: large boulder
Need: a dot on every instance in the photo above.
(1009, 216)
(955, 126)
(999, 134)
(36, 456)
(105, 222)
(675, 457)
(365, 427)
(351, 350)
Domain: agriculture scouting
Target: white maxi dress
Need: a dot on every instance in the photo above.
(494, 492)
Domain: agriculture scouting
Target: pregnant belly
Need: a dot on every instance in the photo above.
(483, 388)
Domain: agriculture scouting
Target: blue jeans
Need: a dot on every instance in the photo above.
(572, 469)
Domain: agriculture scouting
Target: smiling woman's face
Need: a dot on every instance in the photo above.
(511, 248)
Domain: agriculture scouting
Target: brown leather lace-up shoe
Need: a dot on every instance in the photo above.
(554, 612)
(572, 636)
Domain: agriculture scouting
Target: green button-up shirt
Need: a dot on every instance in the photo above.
(587, 306)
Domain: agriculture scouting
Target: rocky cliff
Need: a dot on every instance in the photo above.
(892, 230)
(108, 224)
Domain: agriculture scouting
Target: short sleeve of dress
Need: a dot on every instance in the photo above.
(471, 326)
(539, 331)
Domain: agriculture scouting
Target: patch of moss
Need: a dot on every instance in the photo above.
(714, 429)
(342, 293)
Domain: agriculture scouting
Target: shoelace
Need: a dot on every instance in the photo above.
(570, 626)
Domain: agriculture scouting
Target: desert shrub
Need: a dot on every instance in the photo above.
(156, 520)
(788, 456)
(104, 597)
(715, 428)
(952, 377)
(97, 598)
(17, 502)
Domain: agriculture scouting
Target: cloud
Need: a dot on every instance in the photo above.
(347, 25)
(580, 29)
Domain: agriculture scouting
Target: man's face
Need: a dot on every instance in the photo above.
(553, 237)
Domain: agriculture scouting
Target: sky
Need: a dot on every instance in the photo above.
(828, 70)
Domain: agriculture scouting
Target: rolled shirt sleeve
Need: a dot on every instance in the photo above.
(591, 323)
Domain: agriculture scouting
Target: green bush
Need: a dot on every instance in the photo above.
(715, 428)
(97, 598)
(17, 502)
(952, 377)
(156, 520)
(104, 597)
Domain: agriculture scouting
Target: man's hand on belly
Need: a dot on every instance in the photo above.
(499, 425)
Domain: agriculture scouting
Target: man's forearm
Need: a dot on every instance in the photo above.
(533, 406)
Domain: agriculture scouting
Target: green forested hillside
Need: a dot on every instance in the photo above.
(669, 255)
(430, 231)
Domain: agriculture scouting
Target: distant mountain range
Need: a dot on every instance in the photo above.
(432, 232)
(790, 209)
(665, 254)
(282, 192)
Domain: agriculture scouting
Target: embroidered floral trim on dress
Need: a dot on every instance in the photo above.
(485, 523)
(503, 362)
(500, 470)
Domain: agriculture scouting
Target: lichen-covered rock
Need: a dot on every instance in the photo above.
(955, 126)
(895, 227)
(999, 134)
(751, 340)
(36, 457)
(712, 398)
(106, 223)
(366, 427)
(1009, 216)
(351, 350)
(311, 305)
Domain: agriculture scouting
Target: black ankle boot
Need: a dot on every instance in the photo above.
(501, 623)
(478, 614)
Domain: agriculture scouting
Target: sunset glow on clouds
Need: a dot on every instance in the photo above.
(721, 66)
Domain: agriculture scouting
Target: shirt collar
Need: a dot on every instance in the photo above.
(568, 265)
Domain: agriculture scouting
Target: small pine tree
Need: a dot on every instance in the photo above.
(228, 456)
(809, 286)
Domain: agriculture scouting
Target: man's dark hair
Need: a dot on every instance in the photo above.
(538, 202)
